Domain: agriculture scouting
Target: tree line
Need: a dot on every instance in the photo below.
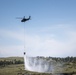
(10, 62)
(66, 59)
(57, 59)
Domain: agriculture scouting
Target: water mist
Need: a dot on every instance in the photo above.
(39, 64)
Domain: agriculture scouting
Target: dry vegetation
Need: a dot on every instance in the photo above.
(18, 69)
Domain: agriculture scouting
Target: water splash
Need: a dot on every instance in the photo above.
(38, 64)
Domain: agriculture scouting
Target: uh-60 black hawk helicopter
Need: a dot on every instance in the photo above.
(24, 19)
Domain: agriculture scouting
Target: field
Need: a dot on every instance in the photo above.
(18, 69)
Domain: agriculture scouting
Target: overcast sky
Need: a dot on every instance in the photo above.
(50, 32)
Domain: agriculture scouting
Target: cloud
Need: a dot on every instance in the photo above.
(52, 46)
(37, 45)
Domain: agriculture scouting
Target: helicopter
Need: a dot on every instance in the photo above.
(24, 19)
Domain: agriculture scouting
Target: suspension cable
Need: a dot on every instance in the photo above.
(24, 37)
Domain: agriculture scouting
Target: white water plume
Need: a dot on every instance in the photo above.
(39, 64)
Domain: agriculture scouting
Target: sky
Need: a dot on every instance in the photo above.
(50, 32)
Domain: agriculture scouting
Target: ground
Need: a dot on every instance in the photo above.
(18, 69)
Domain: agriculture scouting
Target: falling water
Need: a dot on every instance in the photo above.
(38, 64)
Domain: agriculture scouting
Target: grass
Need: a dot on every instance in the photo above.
(11, 69)
(18, 69)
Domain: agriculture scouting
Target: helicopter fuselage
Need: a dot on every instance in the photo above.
(23, 20)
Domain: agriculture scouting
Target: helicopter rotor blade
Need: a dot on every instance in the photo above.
(19, 18)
